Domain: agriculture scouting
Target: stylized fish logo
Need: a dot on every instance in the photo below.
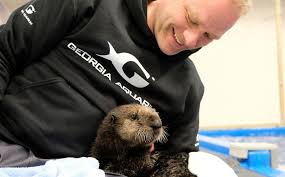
(119, 60)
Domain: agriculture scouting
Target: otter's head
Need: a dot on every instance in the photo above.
(137, 125)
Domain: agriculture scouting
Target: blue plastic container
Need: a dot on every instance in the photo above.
(257, 160)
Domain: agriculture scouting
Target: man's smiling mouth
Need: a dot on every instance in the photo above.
(176, 38)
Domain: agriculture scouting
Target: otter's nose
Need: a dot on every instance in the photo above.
(155, 124)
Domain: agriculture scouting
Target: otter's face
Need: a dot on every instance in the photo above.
(139, 125)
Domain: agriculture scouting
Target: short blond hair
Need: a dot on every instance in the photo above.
(243, 5)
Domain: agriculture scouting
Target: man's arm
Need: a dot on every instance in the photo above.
(33, 30)
(173, 159)
(183, 130)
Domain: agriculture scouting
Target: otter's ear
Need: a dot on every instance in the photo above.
(113, 118)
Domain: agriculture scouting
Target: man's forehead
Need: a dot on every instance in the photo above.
(215, 18)
(198, 19)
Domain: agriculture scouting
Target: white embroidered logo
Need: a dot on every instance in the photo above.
(30, 9)
(119, 60)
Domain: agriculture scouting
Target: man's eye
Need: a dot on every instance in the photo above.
(189, 19)
(194, 23)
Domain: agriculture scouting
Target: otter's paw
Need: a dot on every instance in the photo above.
(123, 171)
(174, 165)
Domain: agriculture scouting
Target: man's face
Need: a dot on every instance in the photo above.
(180, 25)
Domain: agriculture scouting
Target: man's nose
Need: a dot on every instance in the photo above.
(191, 38)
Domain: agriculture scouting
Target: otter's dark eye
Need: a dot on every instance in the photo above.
(113, 118)
(134, 116)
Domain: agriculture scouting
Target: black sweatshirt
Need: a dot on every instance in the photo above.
(65, 63)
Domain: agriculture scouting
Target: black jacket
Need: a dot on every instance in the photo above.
(65, 63)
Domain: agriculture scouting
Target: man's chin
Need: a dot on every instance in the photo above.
(169, 52)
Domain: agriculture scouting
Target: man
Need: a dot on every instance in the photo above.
(190, 24)
(64, 64)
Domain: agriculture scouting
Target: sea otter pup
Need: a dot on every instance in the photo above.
(125, 140)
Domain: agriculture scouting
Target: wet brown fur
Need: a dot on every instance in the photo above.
(120, 149)
(123, 140)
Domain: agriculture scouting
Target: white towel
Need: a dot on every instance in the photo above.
(204, 164)
(66, 167)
